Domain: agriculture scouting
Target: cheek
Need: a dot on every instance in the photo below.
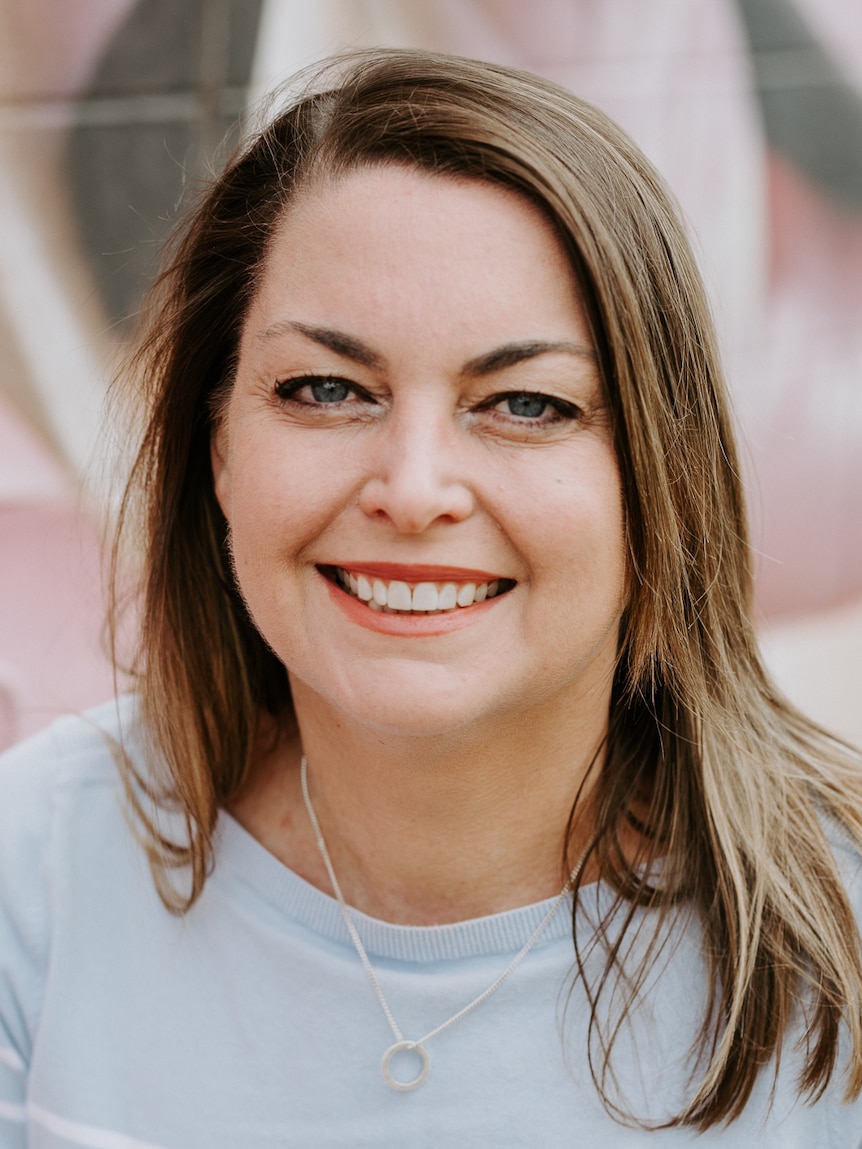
(283, 498)
(578, 525)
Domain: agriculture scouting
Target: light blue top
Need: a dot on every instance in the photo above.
(250, 1023)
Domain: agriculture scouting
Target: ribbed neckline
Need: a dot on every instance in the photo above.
(241, 859)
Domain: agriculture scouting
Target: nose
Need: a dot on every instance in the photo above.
(416, 476)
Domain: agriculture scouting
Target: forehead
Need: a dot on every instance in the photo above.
(409, 187)
(392, 242)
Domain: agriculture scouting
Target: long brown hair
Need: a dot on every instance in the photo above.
(726, 782)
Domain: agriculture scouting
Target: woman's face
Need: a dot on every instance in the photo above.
(416, 460)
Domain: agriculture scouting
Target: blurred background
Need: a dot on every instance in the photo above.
(112, 110)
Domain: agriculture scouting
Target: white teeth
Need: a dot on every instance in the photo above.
(465, 594)
(398, 596)
(424, 597)
(447, 598)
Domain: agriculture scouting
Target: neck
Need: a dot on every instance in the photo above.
(428, 830)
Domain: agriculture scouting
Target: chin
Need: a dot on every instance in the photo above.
(405, 701)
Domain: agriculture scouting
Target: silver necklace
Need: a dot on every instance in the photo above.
(401, 1044)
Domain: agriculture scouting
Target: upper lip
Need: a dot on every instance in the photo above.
(418, 572)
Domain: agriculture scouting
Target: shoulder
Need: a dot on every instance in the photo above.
(59, 787)
(73, 755)
(50, 779)
(82, 738)
(60, 795)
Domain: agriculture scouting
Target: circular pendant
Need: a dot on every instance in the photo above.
(405, 1047)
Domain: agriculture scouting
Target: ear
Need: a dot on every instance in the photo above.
(219, 457)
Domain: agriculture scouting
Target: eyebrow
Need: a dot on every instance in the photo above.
(347, 346)
(509, 355)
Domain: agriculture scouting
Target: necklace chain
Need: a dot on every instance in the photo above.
(401, 1043)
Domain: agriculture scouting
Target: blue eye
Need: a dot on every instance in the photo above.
(527, 405)
(317, 390)
(531, 410)
(329, 390)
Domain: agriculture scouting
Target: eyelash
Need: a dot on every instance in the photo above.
(559, 408)
(287, 390)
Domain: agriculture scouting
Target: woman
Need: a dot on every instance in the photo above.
(446, 663)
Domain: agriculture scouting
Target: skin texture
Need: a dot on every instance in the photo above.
(444, 757)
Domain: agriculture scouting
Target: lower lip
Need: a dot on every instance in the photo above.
(408, 625)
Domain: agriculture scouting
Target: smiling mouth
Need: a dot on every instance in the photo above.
(392, 596)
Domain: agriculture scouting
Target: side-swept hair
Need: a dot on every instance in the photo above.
(730, 787)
